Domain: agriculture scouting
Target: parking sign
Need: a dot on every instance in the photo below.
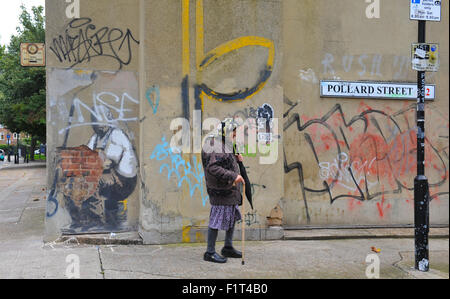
(425, 10)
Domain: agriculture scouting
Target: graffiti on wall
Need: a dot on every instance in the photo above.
(250, 218)
(82, 41)
(100, 113)
(205, 60)
(263, 123)
(368, 156)
(153, 97)
(93, 181)
(373, 65)
(363, 65)
(191, 174)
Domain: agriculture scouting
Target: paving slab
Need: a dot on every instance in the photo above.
(329, 234)
(30, 259)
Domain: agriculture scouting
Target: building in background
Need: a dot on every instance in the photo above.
(4, 132)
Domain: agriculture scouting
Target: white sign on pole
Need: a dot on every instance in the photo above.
(373, 90)
(425, 10)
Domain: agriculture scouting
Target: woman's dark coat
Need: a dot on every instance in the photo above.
(221, 170)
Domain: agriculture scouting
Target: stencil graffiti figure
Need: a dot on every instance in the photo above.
(119, 175)
(96, 180)
(265, 122)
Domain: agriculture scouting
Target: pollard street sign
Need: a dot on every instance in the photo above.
(425, 10)
(373, 90)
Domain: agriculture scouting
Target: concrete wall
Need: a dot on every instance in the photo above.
(135, 66)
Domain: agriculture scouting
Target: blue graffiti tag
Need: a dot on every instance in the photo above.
(153, 90)
(193, 176)
(52, 199)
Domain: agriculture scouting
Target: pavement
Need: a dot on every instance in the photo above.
(31, 164)
(306, 253)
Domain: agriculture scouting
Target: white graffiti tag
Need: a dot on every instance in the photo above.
(346, 172)
(96, 113)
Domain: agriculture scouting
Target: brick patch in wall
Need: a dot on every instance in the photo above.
(80, 169)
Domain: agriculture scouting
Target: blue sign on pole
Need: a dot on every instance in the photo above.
(8, 136)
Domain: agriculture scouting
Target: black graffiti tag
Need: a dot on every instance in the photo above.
(82, 41)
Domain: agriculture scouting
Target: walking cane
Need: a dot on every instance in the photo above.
(243, 226)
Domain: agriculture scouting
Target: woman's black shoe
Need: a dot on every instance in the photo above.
(231, 252)
(214, 257)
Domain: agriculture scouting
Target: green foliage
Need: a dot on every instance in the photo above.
(40, 158)
(22, 89)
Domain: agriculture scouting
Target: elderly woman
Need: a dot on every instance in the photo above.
(223, 182)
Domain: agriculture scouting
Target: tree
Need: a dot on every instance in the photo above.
(22, 89)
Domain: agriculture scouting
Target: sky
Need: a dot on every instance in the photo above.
(9, 16)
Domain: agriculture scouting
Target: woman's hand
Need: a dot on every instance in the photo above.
(239, 179)
(240, 158)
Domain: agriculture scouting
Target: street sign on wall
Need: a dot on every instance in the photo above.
(32, 54)
(425, 10)
(373, 90)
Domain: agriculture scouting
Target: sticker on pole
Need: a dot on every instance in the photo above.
(425, 10)
(425, 57)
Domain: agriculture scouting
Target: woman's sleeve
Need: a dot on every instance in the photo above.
(215, 168)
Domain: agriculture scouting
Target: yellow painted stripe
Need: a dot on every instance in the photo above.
(199, 44)
(240, 43)
(199, 25)
(236, 44)
(186, 37)
(185, 234)
(202, 98)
